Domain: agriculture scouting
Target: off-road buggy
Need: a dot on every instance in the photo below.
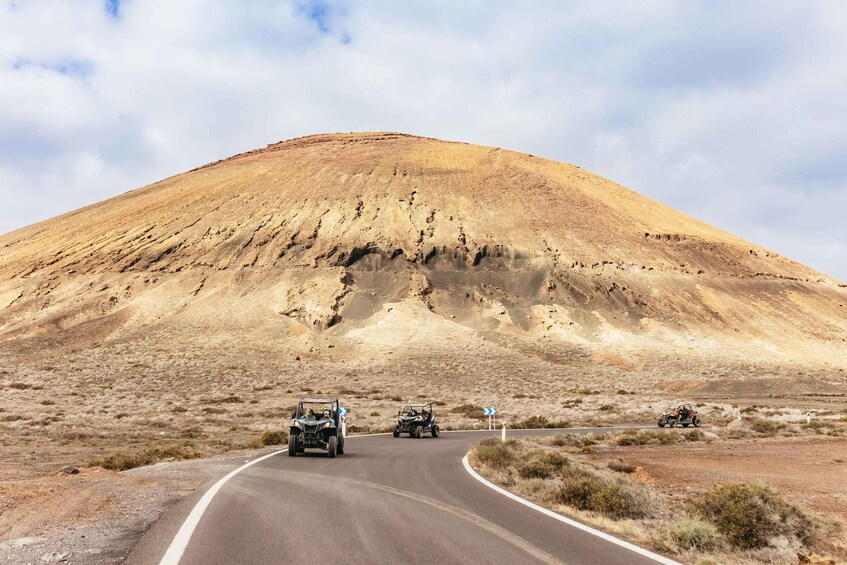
(416, 420)
(683, 415)
(316, 424)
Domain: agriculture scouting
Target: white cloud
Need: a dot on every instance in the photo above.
(733, 112)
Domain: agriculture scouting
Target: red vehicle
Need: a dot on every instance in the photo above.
(683, 415)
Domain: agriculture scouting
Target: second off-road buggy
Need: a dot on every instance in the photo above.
(416, 420)
(316, 423)
(683, 415)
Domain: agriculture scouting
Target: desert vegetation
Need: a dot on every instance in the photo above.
(719, 523)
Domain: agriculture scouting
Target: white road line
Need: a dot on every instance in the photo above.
(183, 536)
(602, 535)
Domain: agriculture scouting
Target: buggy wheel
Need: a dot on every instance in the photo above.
(696, 422)
(341, 445)
(673, 423)
(332, 447)
(435, 431)
(419, 432)
(661, 423)
(292, 445)
(396, 431)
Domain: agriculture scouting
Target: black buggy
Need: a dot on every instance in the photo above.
(316, 424)
(415, 420)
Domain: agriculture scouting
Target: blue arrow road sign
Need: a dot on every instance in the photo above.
(489, 411)
(342, 411)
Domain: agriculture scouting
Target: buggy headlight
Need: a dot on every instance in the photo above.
(297, 424)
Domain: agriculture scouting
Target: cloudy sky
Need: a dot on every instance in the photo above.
(734, 112)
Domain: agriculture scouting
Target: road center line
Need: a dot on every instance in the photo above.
(183, 536)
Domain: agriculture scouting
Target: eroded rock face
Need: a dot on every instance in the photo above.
(323, 231)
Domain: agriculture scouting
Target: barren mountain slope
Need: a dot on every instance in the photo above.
(328, 228)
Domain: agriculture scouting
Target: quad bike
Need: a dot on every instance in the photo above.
(683, 415)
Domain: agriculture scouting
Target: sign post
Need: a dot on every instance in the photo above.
(492, 418)
(343, 413)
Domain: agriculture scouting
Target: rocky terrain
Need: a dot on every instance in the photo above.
(188, 315)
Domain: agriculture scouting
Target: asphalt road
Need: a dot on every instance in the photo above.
(385, 500)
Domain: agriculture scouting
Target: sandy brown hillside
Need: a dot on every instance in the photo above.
(326, 231)
(186, 317)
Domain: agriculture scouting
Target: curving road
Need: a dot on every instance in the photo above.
(385, 500)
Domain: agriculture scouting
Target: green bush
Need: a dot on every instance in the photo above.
(556, 460)
(494, 453)
(535, 469)
(273, 438)
(692, 533)
(748, 516)
(586, 491)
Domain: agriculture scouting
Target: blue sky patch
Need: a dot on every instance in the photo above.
(319, 15)
(70, 67)
(112, 7)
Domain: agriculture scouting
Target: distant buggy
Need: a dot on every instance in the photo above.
(416, 420)
(683, 415)
(316, 424)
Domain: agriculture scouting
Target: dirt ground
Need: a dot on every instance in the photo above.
(809, 471)
(95, 516)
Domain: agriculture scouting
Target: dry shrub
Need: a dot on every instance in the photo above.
(538, 422)
(494, 453)
(468, 410)
(644, 437)
(694, 435)
(535, 469)
(574, 440)
(584, 490)
(272, 437)
(696, 534)
(764, 427)
(750, 516)
(124, 461)
(230, 399)
(621, 467)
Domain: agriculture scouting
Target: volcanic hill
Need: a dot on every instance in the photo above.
(354, 251)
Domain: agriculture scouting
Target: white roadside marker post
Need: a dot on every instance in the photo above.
(503, 433)
(342, 411)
